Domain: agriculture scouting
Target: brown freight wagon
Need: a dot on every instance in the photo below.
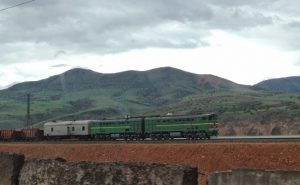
(32, 134)
(10, 135)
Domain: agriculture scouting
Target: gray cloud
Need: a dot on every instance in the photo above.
(37, 30)
(60, 65)
(238, 18)
(294, 25)
(59, 53)
(238, 3)
(101, 26)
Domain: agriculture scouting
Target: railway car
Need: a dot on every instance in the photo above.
(67, 129)
(32, 134)
(129, 128)
(10, 135)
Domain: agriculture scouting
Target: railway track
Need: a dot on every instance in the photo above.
(221, 139)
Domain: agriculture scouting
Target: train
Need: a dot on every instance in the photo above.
(201, 126)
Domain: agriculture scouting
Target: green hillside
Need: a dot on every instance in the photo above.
(84, 94)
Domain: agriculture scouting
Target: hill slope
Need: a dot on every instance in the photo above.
(85, 94)
(289, 84)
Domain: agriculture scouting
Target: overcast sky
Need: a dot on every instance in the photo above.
(245, 41)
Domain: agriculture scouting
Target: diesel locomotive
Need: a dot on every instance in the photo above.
(167, 127)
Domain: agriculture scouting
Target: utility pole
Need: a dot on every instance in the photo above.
(28, 120)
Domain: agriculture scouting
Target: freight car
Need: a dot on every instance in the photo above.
(28, 134)
(31, 134)
(10, 135)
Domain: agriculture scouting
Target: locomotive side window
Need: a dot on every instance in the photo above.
(51, 129)
(73, 129)
(83, 128)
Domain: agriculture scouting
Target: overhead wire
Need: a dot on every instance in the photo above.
(13, 6)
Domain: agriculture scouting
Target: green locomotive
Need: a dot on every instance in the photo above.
(167, 127)
(129, 128)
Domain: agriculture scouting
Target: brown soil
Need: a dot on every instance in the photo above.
(207, 157)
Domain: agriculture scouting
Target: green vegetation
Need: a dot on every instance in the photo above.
(84, 94)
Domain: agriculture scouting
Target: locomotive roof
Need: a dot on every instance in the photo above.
(75, 122)
(180, 117)
(119, 120)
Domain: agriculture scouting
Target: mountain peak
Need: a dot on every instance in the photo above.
(78, 70)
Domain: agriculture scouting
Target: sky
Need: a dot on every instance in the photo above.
(245, 41)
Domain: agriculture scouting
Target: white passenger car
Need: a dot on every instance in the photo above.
(67, 129)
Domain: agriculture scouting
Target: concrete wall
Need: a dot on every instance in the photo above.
(254, 177)
(14, 171)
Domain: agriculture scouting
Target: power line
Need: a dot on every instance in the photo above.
(16, 5)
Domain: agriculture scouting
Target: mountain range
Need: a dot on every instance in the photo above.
(288, 84)
(85, 94)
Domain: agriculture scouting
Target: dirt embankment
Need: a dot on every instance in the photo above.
(207, 157)
(273, 127)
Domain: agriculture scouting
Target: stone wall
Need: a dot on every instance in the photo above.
(254, 177)
(15, 171)
(54, 172)
(10, 165)
(57, 171)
